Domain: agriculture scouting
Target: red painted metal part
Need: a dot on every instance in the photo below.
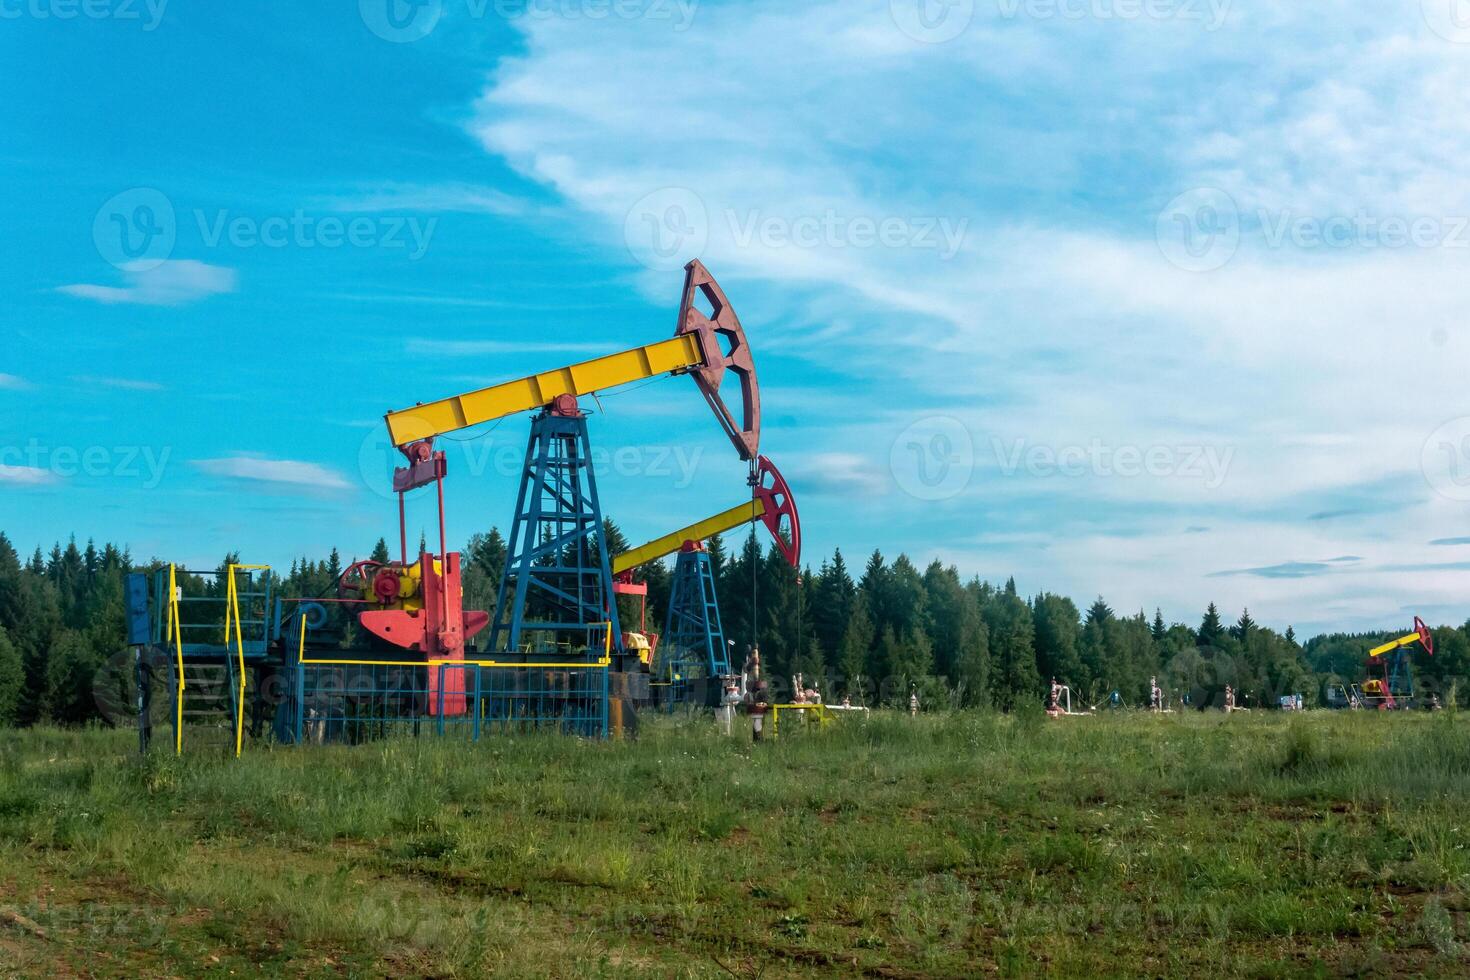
(356, 581)
(425, 466)
(711, 331)
(771, 487)
(440, 628)
(1426, 638)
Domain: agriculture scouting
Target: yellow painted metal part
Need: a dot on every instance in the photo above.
(603, 661)
(674, 356)
(232, 615)
(824, 715)
(701, 531)
(175, 633)
(1392, 645)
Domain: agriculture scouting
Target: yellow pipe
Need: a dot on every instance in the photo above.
(701, 531)
(434, 662)
(430, 419)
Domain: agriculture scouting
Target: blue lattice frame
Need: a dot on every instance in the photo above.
(557, 553)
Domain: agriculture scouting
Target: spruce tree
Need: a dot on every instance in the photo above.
(1210, 631)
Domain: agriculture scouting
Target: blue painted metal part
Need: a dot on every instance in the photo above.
(557, 576)
(136, 591)
(693, 642)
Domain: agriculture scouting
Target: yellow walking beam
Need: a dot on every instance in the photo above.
(1392, 645)
(675, 356)
(668, 544)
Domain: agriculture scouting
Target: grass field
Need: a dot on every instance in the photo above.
(1270, 845)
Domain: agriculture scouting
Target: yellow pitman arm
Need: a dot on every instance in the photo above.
(668, 544)
(676, 356)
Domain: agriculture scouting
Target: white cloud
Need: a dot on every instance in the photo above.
(279, 471)
(1055, 143)
(13, 383)
(447, 197)
(461, 348)
(26, 476)
(172, 283)
(122, 384)
(841, 474)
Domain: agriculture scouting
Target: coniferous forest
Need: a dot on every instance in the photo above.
(874, 633)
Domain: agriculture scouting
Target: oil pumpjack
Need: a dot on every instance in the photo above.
(555, 630)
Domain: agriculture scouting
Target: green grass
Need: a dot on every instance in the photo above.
(1263, 845)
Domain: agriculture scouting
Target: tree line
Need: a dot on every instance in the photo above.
(875, 634)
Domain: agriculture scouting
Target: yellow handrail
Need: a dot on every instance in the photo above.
(175, 633)
(437, 661)
(232, 608)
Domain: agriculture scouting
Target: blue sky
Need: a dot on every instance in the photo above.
(1161, 300)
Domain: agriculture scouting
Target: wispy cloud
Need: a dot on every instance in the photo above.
(11, 382)
(456, 348)
(1193, 361)
(446, 197)
(1290, 569)
(123, 384)
(26, 476)
(1449, 542)
(841, 474)
(280, 471)
(172, 283)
